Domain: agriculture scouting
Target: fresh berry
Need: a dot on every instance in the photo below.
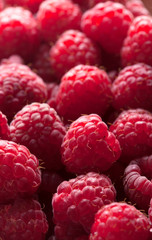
(54, 17)
(19, 33)
(133, 129)
(89, 146)
(4, 127)
(77, 201)
(133, 87)
(19, 171)
(107, 23)
(137, 46)
(71, 49)
(32, 5)
(120, 221)
(39, 128)
(136, 7)
(22, 219)
(83, 90)
(137, 186)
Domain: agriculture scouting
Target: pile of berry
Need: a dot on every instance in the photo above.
(75, 120)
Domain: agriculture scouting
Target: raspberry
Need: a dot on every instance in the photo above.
(133, 129)
(41, 63)
(71, 49)
(18, 87)
(137, 8)
(77, 201)
(137, 185)
(23, 219)
(32, 5)
(83, 90)
(120, 221)
(4, 128)
(54, 17)
(39, 128)
(89, 146)
(132, 88)
(19, 171)
(19, 33)
(137, 46)
(107, 23)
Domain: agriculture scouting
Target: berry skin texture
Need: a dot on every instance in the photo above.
(39, 128)
(137, 46)
(107, 23)
(18, 29)
(120, 221)
(137, 186)
(83, 90)
(133, 129)
(78, 199)
(54, 17)
(89, 146)
(4, 127)
(32, 5)
(22, 219)
(19, 172)
(71, 49)
(133, 87)
(19, 86)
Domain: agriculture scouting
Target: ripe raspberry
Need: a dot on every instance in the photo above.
(120, 221)
(132, 88)
(4, 128)
(89, 146)
(32, 5)
(137, 8)
(71, 49)
(19, 171)
(54, 17)
(39, 128)
(77, 201)
(133, 129)
(83, 90)
(137, 46)
(23, 219)
(19, 33)
(41, 63)
(107, 23)
(18, 87)
(137, 186)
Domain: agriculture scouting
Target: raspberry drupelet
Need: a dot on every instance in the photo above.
(120, 221)
(133, 87)
(18, 33)
(83, 90)
(77, 201)
(19, 172)
(73, 48)
(107, 23)
(89, 146)
(22, 219)
(32, 5)
(39, 128)
(133, 129)
(54, 17)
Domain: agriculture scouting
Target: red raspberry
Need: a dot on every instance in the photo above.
(107, 23)
(41, 64)
(89, 146)
(133, 129)
(120, 221)
(32, 5)
(137, 46)
(22, 219)
(71, 49)
(39, 128)
(137, 8)
(77, 201)
(4, 128)
(54, 17)
(83, 90)
(137, 186)
(132, 88)
(18, 87)
(19, 33)
(19, 171)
